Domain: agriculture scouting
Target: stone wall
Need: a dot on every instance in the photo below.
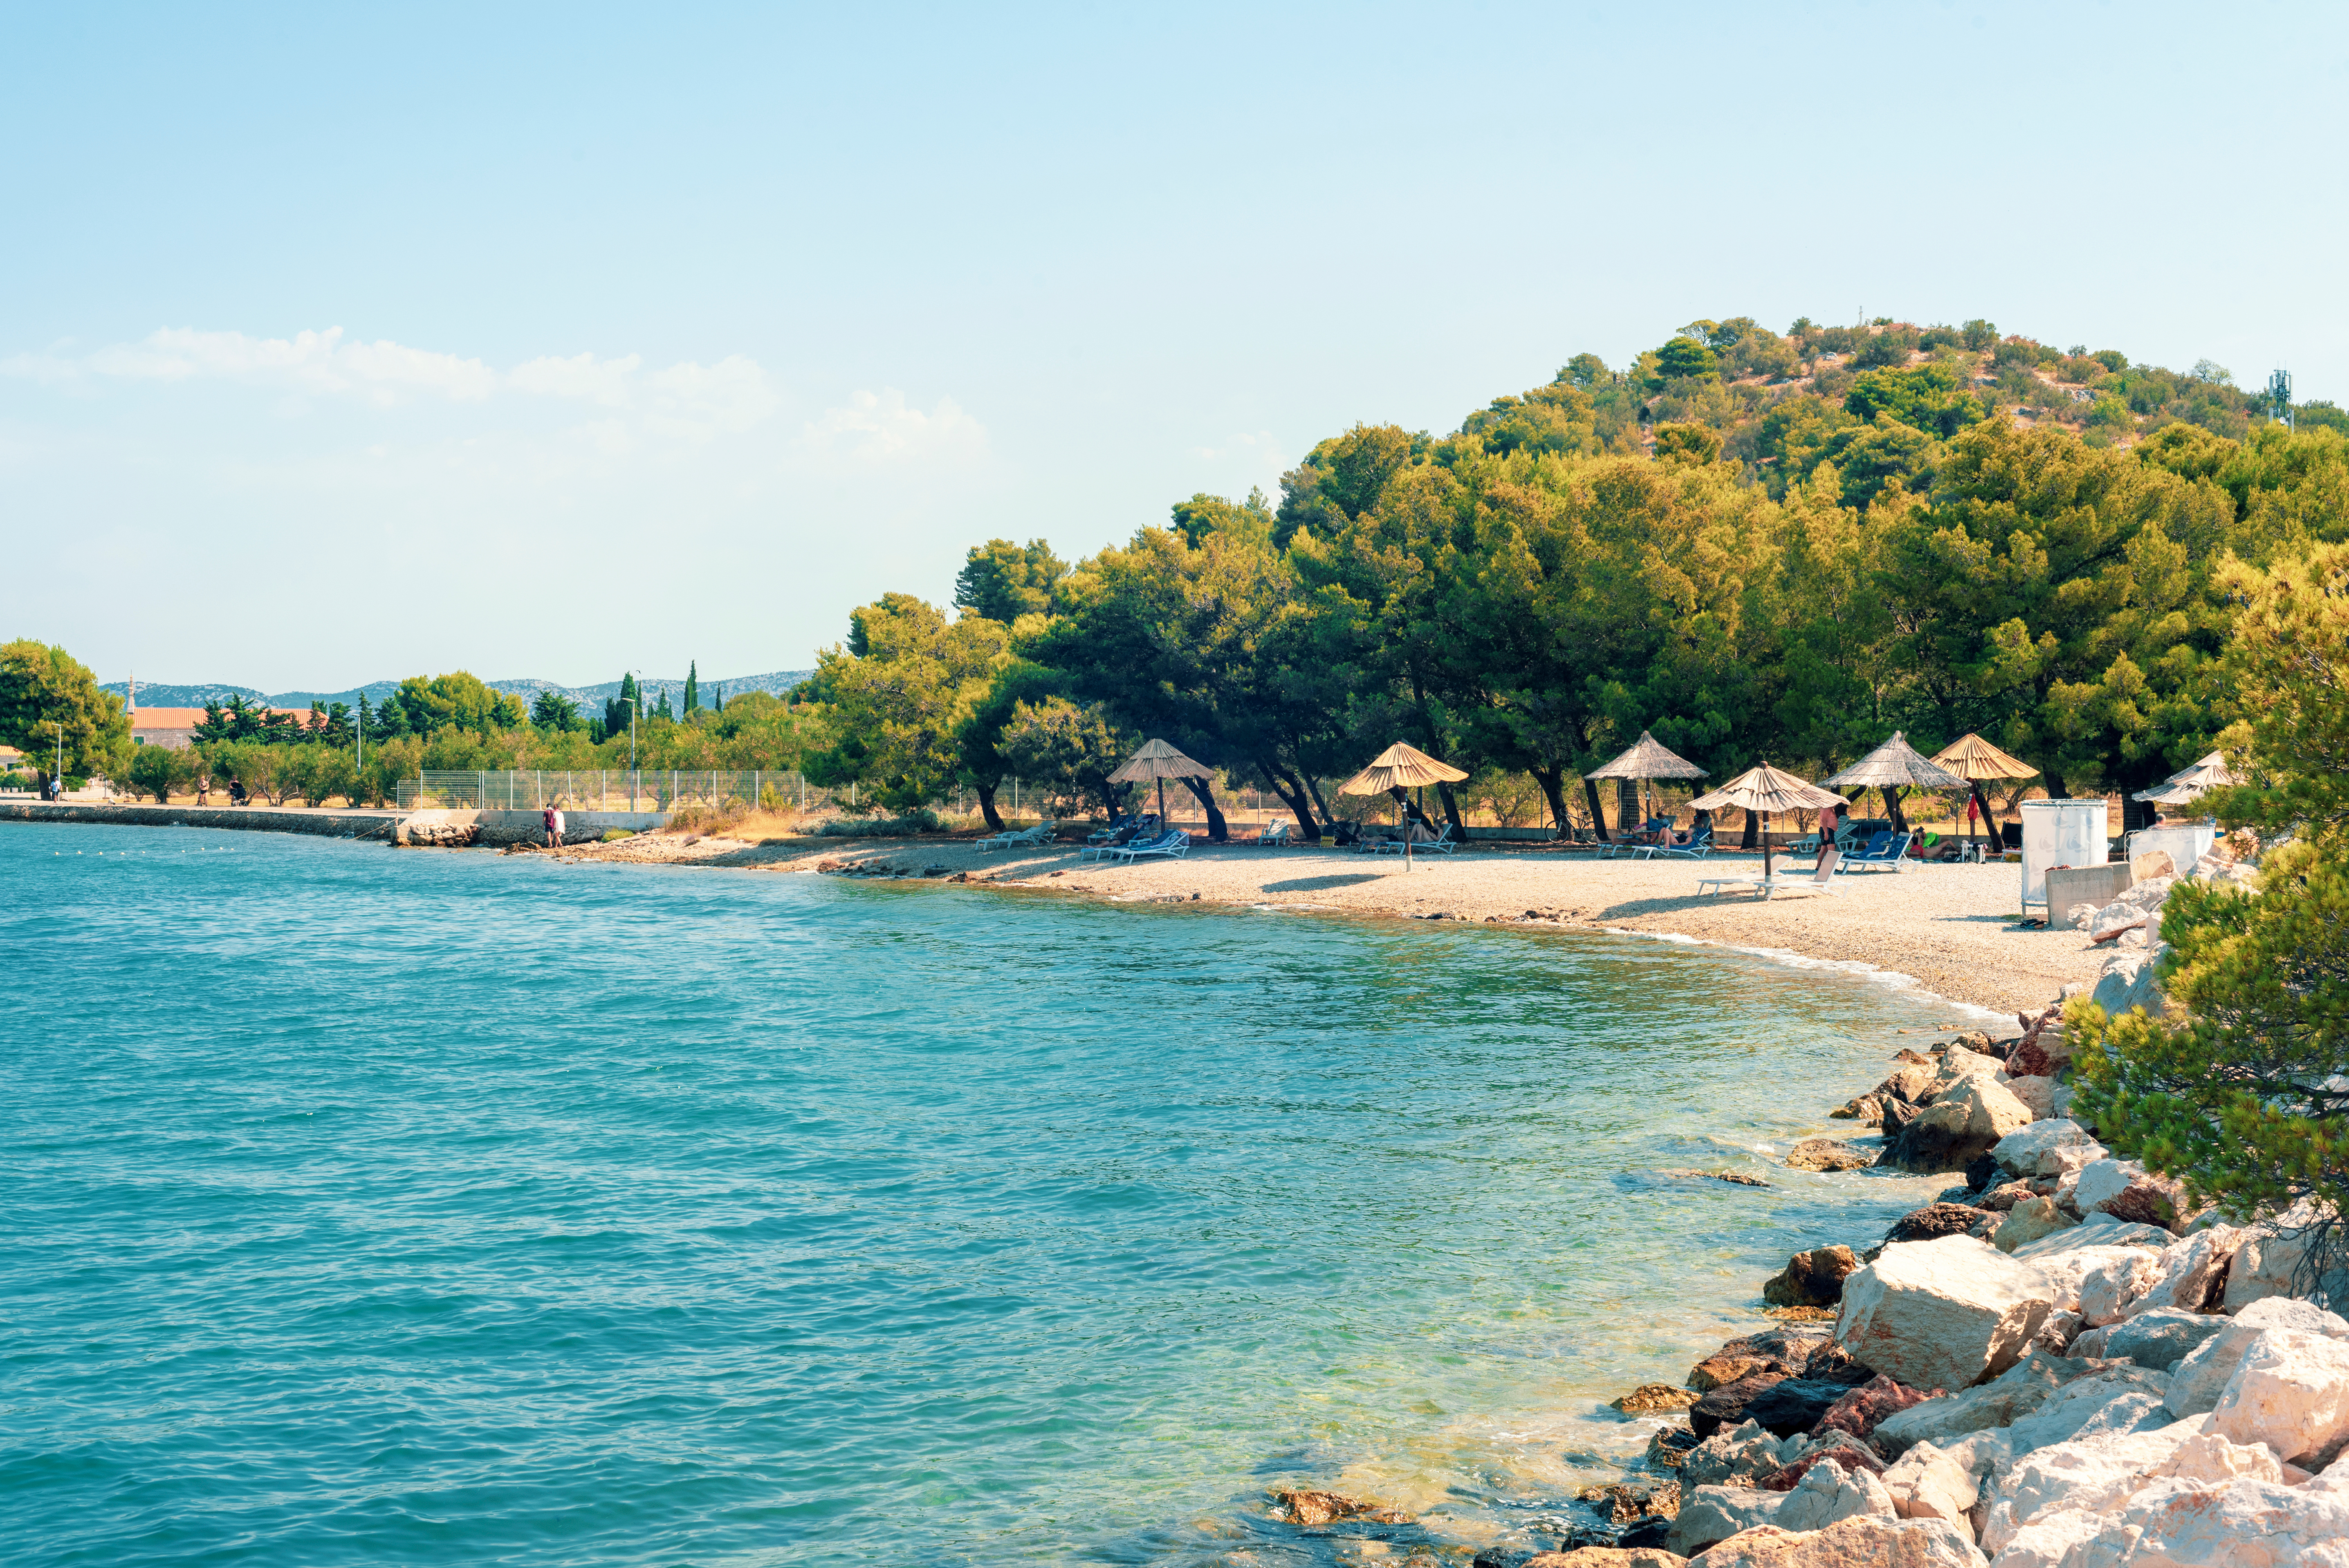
(245, 819)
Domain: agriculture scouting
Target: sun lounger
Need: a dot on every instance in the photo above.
(1821, 881)
(1696, 848)
(1884, 852)
(1274, 837)
(1442, 844)
(1171, 844)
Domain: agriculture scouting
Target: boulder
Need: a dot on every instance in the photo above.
(1651, 1396)
(2190, 1271)
(1724, 1367)
(1957, 1066)
(2003, 1197)
(1828, 1493)
(2291, 1393)
(1725, 1405)
(2203, 1375)
(2128, 983)
(2107, 1290)
(1828, 1154)
(1868, 1541)
(1812, 1279)
(1714, 1513)
(2007, 1398)
(1668, 1448)
(1743, 1453)
(2178, 1522)
(2273, 1261)
(1793, 1405)
(1942, 1314)
(1299, 1506)
(2115, 1399)
(2104, 1230)
(1844, 1450)
(2030, 1221)
(1935, 1220)
(1966, 1120)
(2064, 1271)
(2160, 1337)
(1909, 1085)
(1624, 1502)
(2146, 1200)
(1605, 1557)
(2094, 1477)
(1861, 1408)
(2037, 1092)
(1867, 1110)
(2018, 1153)
(2101, 1180)
(1927, 1483)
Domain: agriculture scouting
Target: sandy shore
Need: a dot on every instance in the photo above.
(1951, 928)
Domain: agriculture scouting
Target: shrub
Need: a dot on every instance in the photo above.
(907, 827)
(614, 835)
(1980, 334)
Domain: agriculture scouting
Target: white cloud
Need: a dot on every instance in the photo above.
(583, 377)
(873, 427)
(729, 396)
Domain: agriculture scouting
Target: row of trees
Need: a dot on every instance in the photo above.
(1504, 604)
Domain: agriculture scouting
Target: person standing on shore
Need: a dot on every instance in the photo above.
(553, 818)
(1830, 820)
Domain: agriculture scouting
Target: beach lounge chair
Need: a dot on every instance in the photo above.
(1639, 841)
(1696, 848)
(1169, 845)
(1885, 852)
(1274, 837)
(1820, 881)
(1442, 844)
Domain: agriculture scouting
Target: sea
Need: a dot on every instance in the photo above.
(374, 1207)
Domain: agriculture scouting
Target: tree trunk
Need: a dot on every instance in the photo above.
(987, 808)
(1315, 791)
(1553, 788)
(1753, 836)
(1892, 793)
(1217, 832)
(1598, 816)
(1294, 798)
(1451, 813)
(1989, 821)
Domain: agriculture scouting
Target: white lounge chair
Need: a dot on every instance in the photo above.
(1820, 881)
(1172, 844)
(1442, 844)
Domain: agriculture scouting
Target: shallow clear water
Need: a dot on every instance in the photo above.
(364, 1208)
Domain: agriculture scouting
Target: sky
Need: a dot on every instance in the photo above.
(343, 345)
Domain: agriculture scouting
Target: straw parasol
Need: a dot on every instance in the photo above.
(1973, 759)
(1646, 760)
(1161, 761)
(1400, 767)
(1894, 765)
(2192, 784)
(1767, 789)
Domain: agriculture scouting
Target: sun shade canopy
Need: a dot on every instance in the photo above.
(1401, 767)
(1895, 764)
(1157, 760)
(2192, 784)
(1648, 759)
(1767, 789)
(1971, 757)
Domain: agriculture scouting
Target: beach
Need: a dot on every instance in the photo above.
(1951, 929)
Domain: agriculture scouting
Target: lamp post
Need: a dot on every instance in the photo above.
(635, 704)
(58, 773)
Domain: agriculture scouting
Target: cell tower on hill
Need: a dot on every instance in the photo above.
(2279, 396)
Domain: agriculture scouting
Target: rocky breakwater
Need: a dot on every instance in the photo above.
(2057, 1364)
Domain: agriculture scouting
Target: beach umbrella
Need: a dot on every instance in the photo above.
(1766, 789)
(1973, 759)
(1401, 767)
(1160, 761)
(2192, 784)
(1895, 764)
(1646, 760)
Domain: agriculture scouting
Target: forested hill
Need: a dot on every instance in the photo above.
(1755, 545)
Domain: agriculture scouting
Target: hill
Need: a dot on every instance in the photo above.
(161, 694)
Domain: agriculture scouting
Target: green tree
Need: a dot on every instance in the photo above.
(896, 695)
(1068, 752)
(1684, 357)
(459, 699)
(162, 771)
(50, 706)
(551, 710)
(1001, 581)
(692, 686)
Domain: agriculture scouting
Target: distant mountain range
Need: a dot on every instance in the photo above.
(162, 694)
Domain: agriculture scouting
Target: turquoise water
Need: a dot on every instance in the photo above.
(365, 1208)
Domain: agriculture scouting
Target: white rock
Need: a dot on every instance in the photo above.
(2203, 1375)
(1945, 1313)
(2066, 1272)
(2018, 1152)
(2290, 1392)
(2271, 1261)
(1949, 1419)
(2063, 1165)
(2060, 1103)
(1733, 1454)
(2096, 1231)
(2096, 1476)
(2187, 1270)
(2174, 1522)
(2036, 1092)
(1957, 1066)
(2128, 983)
(2102, 1181)
(2107, 1290)
(2113, 1401)
(1927, 1483)
(1864, 1541)
(1829, 1493)
(1712, 1513)
(2208, 1456)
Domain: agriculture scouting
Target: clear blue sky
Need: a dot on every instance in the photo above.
(559, 341)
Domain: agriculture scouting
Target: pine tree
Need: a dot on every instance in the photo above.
(663, 710)
(692, 686)
(718, 698)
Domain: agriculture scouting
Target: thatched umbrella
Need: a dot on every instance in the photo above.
(1766, 789)
(1158, 761)
(1401, 767)
(1973, 759)
(1646, 760)
(1894, 765)
(2189, 784)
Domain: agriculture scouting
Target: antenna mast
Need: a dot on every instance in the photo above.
(2279, 396)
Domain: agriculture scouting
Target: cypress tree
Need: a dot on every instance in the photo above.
(692, 686)
(718, 698)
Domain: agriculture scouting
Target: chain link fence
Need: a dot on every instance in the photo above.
(612, 789)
